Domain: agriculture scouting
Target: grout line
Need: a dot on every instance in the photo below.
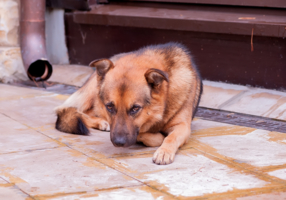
(253, 172)
(233, 99)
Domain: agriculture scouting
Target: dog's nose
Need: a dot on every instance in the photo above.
(119, 141)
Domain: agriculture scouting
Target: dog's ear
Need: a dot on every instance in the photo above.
(102, 66)
(155, 77)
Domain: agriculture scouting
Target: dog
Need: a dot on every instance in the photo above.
(148, 96)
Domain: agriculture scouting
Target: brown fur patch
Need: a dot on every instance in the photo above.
(70, 121)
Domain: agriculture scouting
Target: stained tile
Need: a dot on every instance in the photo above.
(255, 148)
(281, 173)
(75, 75)
(34, 112)
(260, 102)
(11, 193)
(97, 144)
(271, 196)
(140, 193)
(215, 93)
(190, 175)
(9, 92)
(60, 170)
(17, 137)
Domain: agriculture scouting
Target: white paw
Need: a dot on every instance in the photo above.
(104, 126)
(163, 156)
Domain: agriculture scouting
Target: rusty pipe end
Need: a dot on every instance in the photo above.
(33, 41)
(40, 70)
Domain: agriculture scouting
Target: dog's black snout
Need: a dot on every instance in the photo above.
(119, 141)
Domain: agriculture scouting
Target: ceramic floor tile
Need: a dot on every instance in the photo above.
(9, 92)
(200, 124)
(75, 75)
(34, 112)
(190, 175)
(260, 102)
(133, 193)
(281, 173)
(215, 94)
(17, 137)
(97, 144)
(60, 170)
(11, 193)
(257, 148)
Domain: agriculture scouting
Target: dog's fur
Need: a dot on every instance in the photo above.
(149, 96)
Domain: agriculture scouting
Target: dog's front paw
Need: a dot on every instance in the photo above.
(104, 126)
(163, 156)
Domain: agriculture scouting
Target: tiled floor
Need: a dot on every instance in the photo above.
(220, 161)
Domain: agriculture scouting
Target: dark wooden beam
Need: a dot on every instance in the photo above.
(256, 3)
(210, 19)
(220, 57)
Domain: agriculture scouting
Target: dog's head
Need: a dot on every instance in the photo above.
(134, 97)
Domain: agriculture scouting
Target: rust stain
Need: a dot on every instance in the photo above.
(56, 195)
(277, 137)
(280, 102)
(62, 97)
(245, 168)
(223, 130)
(89, 195)
(92, 163)
(116, 164)
(7, 184)
(273, 168)
(12, 179)
(154, 192)
(236, 193)
(75, 153)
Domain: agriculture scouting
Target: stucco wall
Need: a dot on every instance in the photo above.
(11, 66)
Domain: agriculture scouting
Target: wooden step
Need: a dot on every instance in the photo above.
(210, 19)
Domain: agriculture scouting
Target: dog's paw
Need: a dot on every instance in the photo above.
(104, 126)
(163, 156)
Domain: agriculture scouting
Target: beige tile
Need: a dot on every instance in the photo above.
(75, 75)
(281, 173)
(257, 148)
(17, 137)
(9, 92)
(199, 124)
(35, 112)
(97, 144)
(11, 193)
(260, 102)
(215, 94)
(190, 175)
(60, 170)
(271, 196)
(132, 193)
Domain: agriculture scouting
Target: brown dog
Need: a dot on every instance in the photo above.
(147, 96)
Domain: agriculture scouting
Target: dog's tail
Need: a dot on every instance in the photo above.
(70, 120)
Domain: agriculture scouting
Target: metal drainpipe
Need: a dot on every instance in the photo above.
(33, 40)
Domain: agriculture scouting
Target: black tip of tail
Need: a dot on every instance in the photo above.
(81, 128)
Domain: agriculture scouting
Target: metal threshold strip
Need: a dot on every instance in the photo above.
(241, 119)
(204, 113)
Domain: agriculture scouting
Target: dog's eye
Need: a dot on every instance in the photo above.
(135, 109)
(110, 108)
